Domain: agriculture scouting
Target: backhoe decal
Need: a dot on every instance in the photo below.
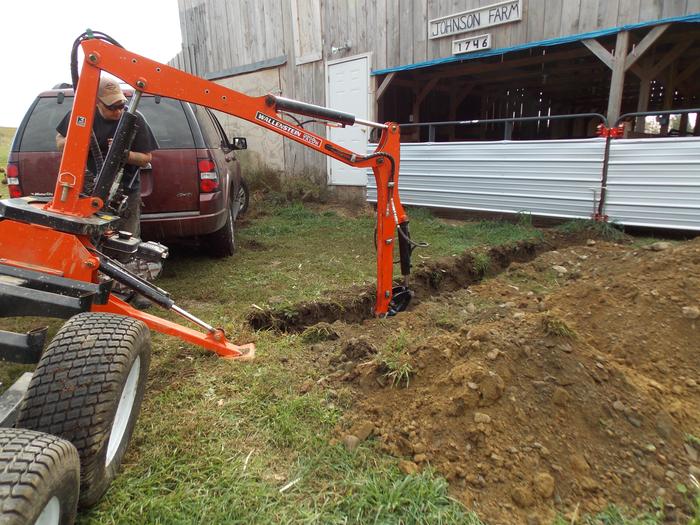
(286, 128)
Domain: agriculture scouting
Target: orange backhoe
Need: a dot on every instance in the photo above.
(72, 236)
(60, 257)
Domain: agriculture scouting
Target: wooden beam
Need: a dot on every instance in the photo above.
(617, 83)
(457, 96)
(648, 41)
(407, 83)
(420, 96)
(508, 74)
(605, 56)
(478, 68)
(671, 56)
(464, 91)
(637, 70)
(642, 68)
(426, 89)
(688, 72)
(385, 84)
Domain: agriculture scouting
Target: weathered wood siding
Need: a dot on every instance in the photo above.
(223, 34)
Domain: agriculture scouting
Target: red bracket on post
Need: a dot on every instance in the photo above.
(614, 132)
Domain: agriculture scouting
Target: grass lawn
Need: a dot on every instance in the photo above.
(6, 135)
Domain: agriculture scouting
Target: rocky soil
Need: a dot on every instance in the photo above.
(565, 383)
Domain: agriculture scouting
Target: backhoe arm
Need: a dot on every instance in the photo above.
(65, 242)
(152, 77)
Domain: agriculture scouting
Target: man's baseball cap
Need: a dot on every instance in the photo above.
(109, 92)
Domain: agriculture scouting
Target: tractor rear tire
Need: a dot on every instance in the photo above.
(88, 388)
(39, 478)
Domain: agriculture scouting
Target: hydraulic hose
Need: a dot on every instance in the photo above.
(87, 35)
(94, 147)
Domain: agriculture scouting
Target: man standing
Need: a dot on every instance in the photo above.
(111, 102)
(110, 105)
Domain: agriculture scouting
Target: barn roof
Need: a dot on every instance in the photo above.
(694, 18)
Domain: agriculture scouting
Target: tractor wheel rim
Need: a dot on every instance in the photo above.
(51, 514)
(124, 409)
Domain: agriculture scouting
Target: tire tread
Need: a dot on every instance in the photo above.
(76, 382)
(27, 461)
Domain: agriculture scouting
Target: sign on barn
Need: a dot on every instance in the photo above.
(476, 19)
(471, 44)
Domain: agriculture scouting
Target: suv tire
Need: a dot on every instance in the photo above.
(88, 388)
(39, 478)
(243, 198)
(222, 243)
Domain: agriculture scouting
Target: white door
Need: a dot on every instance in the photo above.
(348, 90)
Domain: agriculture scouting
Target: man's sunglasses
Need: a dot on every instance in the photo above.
(117, 106)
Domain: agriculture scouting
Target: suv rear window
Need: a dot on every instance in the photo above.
(165, 116)
(40, 133)
(211, 134)
(168, 122)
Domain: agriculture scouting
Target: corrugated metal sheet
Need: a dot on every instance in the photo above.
(552, 178)
(655, 182)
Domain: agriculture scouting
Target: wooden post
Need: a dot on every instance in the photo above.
(621, 61)
(452, 114)
(458, 92)
(419, 97)
(683, 128)
(642, 103)
(669, 89)
(617, 83)
(644, 71)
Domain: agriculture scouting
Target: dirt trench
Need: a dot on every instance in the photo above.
(427, 281)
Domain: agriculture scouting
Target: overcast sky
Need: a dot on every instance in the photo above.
(36, 37)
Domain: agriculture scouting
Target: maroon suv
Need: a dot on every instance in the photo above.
(192, 190)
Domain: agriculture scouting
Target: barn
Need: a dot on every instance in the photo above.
(436, 66)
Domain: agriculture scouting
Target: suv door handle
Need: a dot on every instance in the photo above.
(229, 158)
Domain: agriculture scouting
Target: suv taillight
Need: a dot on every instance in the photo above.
(208, 178)
(13, 180)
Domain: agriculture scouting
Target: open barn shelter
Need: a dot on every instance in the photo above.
(642, 67)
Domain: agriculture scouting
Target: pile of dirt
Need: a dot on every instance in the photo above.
(562, 385)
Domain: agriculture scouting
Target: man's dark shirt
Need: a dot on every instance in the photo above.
(144, 140)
